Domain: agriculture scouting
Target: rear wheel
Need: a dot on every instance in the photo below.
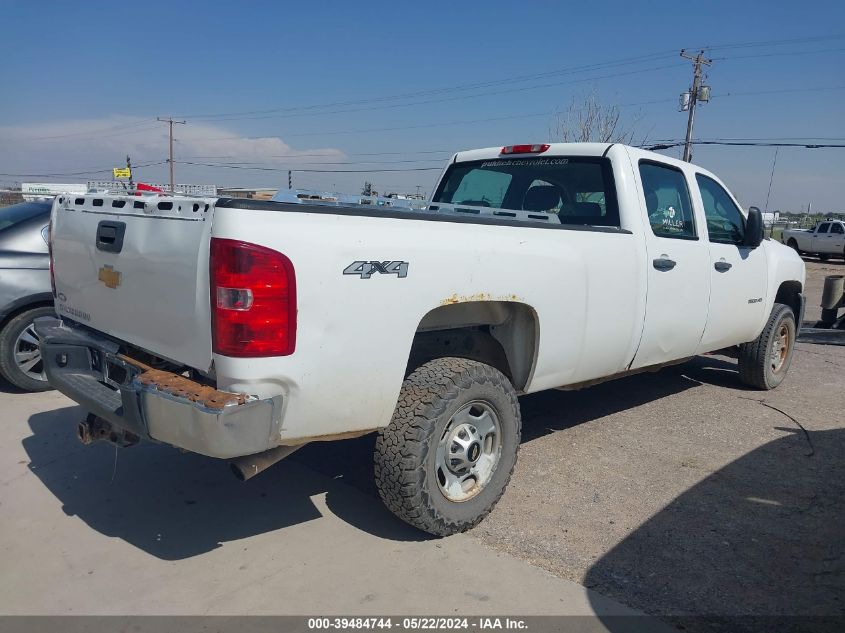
(793, 245)
(20, 356)
(763, 362)
(823, 257)
(448, 453)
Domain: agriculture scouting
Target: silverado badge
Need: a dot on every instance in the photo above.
(109, 276)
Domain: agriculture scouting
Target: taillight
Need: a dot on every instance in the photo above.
(50, 252)
(525, 149)
(253, 300)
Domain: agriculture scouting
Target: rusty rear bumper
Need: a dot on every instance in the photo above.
(152, 403)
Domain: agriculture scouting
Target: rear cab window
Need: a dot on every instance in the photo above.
(578, 190)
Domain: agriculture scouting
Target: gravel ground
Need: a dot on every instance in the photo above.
(681, 492)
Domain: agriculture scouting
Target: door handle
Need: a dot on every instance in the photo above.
(722, 267)
(664, 264)
(110, 236)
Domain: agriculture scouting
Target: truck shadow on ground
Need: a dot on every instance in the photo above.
(176, 505)
(764, 536)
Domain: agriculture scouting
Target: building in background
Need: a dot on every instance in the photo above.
(43, 190)
(251, 193)
(203, 191)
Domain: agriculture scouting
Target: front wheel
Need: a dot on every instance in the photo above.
(763, 362)
(448, 453)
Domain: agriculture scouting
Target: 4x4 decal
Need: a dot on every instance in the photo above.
(365, 270)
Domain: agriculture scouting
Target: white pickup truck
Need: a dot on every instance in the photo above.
(826, 239)
(243, 329)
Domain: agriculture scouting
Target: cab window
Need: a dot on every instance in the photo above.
(823, 228)
(725, 222)
(577, 190)
(667, 201)
(837, 228)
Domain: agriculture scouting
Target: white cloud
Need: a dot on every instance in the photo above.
(64, 147)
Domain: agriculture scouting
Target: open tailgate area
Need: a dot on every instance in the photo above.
(136, 268)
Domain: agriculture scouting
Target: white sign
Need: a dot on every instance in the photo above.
(39, 190)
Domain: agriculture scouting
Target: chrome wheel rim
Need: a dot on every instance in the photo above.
(28, 354)
(468, 451)
(780, 348)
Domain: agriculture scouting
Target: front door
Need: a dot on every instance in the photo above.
(678, 279)
(738, 274)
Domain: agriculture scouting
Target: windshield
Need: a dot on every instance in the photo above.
(10, 216)
(579, 190)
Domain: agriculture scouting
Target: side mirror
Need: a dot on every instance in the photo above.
(753, 228)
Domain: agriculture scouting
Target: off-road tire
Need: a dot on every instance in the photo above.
(755, 358)
(8, 336)
(405, 470)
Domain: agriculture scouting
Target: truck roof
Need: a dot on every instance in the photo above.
(555, 149)
(578, 149)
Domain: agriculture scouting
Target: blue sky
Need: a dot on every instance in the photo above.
(84, 83)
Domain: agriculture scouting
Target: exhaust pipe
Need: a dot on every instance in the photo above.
(249, 466)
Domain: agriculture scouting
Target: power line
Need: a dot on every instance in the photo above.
(98, 132)
(807, 145)
(799, 40)
(317, 171)
(79, 173)
(516, 79)
(472, 86)
(779, 54)
(444, 99)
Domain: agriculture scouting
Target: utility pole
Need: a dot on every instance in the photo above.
(129, 167)
(690, 99)
(290, 180)
(170, 121)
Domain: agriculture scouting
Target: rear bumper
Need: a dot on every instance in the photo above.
(152, 404)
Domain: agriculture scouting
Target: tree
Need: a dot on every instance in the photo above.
(587, 120)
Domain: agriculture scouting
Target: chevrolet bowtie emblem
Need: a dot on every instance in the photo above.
(109, 276)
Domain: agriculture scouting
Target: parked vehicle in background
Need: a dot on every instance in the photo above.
(24, 292)
(243, 329)
(826, 239)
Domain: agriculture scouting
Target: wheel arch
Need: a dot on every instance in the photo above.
(790, 293)
(502, 334)
(40, 300)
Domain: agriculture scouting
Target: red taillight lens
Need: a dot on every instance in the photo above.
(253, 300)
(525, 149)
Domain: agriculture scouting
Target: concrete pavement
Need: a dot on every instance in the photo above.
(150, 530)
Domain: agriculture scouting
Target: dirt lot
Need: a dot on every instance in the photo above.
(680, 492)
(675, 493)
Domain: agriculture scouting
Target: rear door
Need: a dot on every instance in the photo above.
(678, 279)
(137, 269)
(738, 274)
(821, 238)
